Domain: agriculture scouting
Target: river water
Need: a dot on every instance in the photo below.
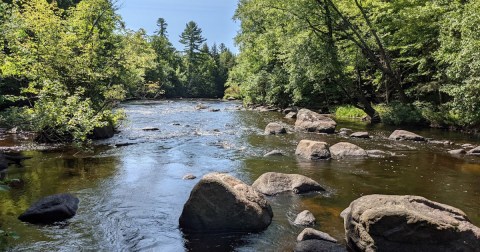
(132, 196)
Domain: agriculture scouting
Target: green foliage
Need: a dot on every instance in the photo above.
(349, 111)
(400, 114)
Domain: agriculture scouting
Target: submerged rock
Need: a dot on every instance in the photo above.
(189, 177)
(310, 121)
(344, 149)
(102, 132)
(150, 129)
(305, 218)
(312, 234)
(457, 152)
(360, 135)
(291, 115)
(475, 151)
(54, 208)
(405, 135)
(222, 203)
(313, 150)
(275, 129)
(407, 223)
(273, 153)
(318, 246)
(272, 183)
(376, 153)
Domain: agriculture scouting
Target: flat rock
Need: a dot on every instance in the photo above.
(318, 246)
(344, 149)
(312, 234)
(407, 223)
(310, 121)
(51, 209)
(313, 150)
(444, 142)
(468, 146)
(405, 135)
(291, 115)
(275, 129)
(360, 135)
(457, 152)
(273, 153)
(272, 183)
(305, 218)
(221, 203)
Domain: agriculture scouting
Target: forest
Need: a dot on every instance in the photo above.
(66, 64)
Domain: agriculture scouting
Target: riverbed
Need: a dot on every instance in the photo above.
(132, 193)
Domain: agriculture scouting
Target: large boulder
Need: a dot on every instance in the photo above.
(222, 203)
(344, 149)
(313, 150)
(405, 135)
(275, 129)
(407, 223)
(305, 218)
(272, 183)
(310, 121)
(54, 208)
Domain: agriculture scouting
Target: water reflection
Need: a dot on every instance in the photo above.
(132, 196)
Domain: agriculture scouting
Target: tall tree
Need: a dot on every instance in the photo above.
(192, 39)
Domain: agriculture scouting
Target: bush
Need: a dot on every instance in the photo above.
(400, 114)
(349, 111)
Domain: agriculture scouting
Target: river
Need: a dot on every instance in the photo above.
(131, 196)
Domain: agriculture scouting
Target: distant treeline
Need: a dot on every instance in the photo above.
(65, 64)
(418, 60)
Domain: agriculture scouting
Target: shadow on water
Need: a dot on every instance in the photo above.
(132, 195)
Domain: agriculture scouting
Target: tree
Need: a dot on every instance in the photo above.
(192, 39)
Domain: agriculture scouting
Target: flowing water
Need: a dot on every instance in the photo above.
(132, 195)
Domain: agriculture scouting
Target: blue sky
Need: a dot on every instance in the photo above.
(214, 17)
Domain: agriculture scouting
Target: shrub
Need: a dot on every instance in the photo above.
(349, 111)
(400, 114)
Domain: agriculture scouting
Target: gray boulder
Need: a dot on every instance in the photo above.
(344, 149)
(222, 203)
(405, 135)
(310, 121)
(275, 129)
(318, 246)
(407, 223)
(312, 234)
(457, 152)
(360, 135)
(305, 218)
(272, 183)
(189, 176)
(51, 209)
(313, 150)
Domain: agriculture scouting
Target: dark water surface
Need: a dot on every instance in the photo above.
(132, 196)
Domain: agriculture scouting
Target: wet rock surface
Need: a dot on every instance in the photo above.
(345, 150)
(51, 209)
